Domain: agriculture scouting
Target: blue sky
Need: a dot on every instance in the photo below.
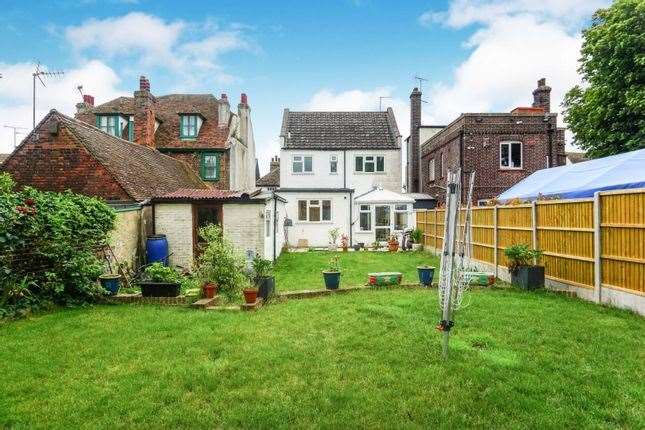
(479, 55)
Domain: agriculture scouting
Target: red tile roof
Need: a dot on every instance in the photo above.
(199, 194)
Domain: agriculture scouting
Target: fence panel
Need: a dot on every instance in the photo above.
(565, 230)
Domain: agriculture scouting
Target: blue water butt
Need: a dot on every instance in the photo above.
(157, 249)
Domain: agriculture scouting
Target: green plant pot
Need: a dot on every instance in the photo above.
(332, 280)
(528, 277)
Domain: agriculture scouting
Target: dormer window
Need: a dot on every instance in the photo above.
(189, 126)
(108, 124)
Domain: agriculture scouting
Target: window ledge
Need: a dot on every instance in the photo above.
(370, 173)
(303, 173)
(187, 138)
(511, 168)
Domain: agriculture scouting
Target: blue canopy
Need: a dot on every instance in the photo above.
(583, 179)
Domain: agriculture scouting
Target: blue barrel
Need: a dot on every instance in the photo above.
(157, 249)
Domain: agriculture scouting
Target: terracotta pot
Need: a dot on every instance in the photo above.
(393, 246)
(250, 295)
(209, 290)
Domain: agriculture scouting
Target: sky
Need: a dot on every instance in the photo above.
(476, 55)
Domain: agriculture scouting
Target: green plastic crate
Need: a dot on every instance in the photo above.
(483, 279)
(380, 279)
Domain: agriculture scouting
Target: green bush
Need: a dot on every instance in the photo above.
(521, 255)
(221, 263)
(157, 272)
(417, 235)
(49, 247)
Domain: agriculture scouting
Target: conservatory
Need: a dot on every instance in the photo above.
(380, 214)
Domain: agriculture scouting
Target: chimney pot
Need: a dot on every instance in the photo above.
(542, 82)
(144, 83)
(88, 99)
(224, 97)
(243, 99)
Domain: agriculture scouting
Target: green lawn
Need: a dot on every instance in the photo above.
(368, 359)
(302, 270)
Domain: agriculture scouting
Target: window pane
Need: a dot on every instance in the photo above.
(366, 221)
(516, 154)
(382, 215)
(365, 207)
(382, 234)
(359, 164)
(308, 164)
(380, 164)
(297, 166)
(369, 166)
(333, 165)
(401, 207)
(314, 213)
(210, 166)
(302, 210)
(400, 220)
(326, 210)
(431, 170)
(503, 161)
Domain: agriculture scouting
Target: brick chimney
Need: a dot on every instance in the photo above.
(542, 95)
(274, 164)
(413, 185)
(243, 111)
(86, 105)
(144, 114)
(224, 111)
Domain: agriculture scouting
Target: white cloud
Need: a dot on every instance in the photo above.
(60, 93)
(190, 49)
(516, 43)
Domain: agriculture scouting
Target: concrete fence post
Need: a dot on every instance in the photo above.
(597, 247)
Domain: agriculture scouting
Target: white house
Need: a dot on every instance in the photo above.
(329, 160)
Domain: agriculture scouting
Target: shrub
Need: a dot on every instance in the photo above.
(49, 247)
(417, 235)
(157, 272)
(521, 255)
(261, 268)
(221, 263)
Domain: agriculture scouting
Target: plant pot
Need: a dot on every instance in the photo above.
(159, 289)
(250, 295)
(528, 277)
(426, 273)
(417, 246)
(392, 246)
(209, 290)
(111, 283)
(266, 286)
(332, 280)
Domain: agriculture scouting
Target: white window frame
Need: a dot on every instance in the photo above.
(373, 160)
(318, 205)
(300, 158)
(431, 170)
(362, 210)
(333, 161)
(510, 144)
(189, 126)
(398, 209)
(267, 223)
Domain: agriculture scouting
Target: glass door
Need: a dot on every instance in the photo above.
(382, 223)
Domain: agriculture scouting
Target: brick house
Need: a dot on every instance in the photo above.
(63, 153)
(502, 148)
(197, 128)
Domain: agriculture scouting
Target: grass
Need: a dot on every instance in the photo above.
(366, 359)
(302, 270)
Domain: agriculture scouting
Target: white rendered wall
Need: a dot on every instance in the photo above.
(175, 220)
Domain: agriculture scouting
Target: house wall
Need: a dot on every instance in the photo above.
(58, 163)
(316, 233)
(276, 224)
(322, 178)
(243, 225)
(193, 158)
(175, 220)
(125, 238)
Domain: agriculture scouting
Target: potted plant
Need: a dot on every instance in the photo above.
(263, 276)
(160, 281)
(111, 282)
(393, 244)
(426, 273)
(523, 266)
(376, 245)
(417, 239)
(331, 275)
(209, 290)
(344, 242)
(333, 237)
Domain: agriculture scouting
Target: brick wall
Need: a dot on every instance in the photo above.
(58, 163)
(175, 220)
(244, 227)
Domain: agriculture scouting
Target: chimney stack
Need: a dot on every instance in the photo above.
(224, 111)
(88, 100)
(413, 185)
(243, 112)
(542, 95)
(85, 106)
(275, 163)
(144, 114)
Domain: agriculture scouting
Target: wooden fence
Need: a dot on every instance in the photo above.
(591, 243)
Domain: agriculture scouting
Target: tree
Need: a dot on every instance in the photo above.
(607, 114)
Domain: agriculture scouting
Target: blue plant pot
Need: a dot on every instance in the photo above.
(332, 280)
(110, 283)
(426, 273)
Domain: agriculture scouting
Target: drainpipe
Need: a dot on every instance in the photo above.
(351, 225)
(275, 222)
(550, 133)
(462, 168)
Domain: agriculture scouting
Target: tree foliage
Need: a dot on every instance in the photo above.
(49, 247)
(607, 113)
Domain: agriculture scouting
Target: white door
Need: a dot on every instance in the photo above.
(382, 223)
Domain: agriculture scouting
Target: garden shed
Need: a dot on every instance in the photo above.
(252, 222)
(617, 172)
